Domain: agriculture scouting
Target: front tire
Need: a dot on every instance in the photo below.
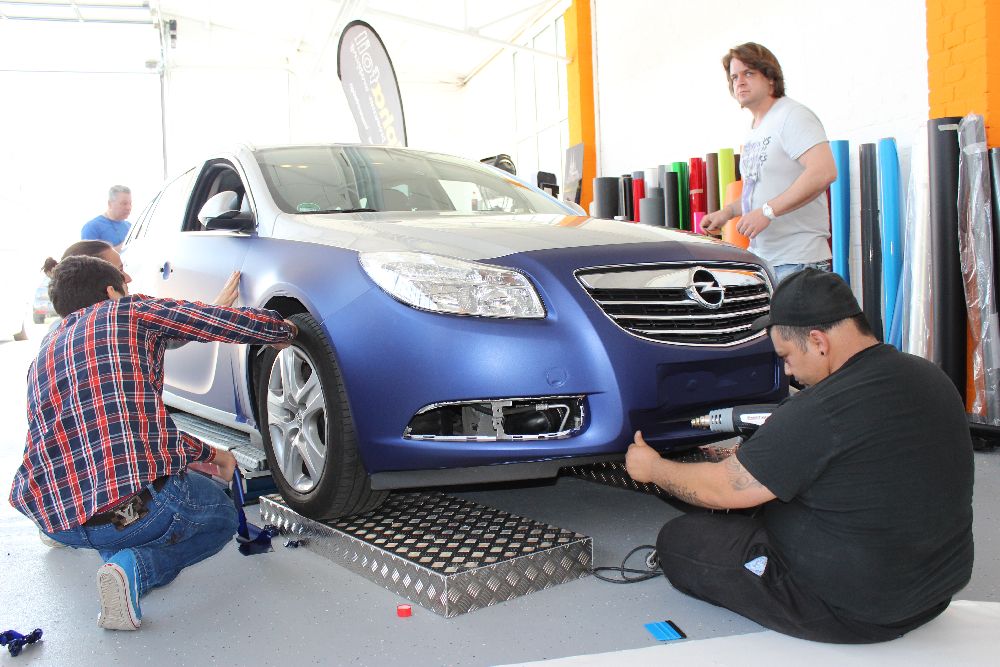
(308, 431)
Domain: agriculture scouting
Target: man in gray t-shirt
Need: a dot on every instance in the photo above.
(786, 165)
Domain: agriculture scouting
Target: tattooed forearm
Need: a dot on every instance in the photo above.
(739, 478)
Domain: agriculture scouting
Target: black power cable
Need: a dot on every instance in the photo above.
(651, 572)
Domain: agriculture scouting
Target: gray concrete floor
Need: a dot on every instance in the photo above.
(293, 607)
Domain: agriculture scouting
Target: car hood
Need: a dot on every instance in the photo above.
(470, 237)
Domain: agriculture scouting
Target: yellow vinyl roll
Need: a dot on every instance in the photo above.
(727, 170)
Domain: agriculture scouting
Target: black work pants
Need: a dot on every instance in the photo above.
(704, 556)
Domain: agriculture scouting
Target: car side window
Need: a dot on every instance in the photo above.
(168, 215)
(139, 228)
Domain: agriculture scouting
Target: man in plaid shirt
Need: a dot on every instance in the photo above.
(104, 466)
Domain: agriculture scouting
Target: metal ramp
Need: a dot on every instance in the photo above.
(449, 555)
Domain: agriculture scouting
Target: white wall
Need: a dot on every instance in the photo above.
(662, 93)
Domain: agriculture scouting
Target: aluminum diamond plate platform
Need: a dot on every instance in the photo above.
(449, 555)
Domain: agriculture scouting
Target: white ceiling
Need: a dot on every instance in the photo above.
(446, 41)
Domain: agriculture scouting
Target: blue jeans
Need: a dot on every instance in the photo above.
(190, 519)
(782, 271)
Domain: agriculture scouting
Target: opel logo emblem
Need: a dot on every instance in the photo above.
(704, 289)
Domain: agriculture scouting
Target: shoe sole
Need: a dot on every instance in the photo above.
(117, 612)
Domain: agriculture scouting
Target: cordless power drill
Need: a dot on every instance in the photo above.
(742, 419)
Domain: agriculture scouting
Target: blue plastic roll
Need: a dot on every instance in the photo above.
(840, 209)
(892, 250)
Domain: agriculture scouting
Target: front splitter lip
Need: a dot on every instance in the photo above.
(505, 472)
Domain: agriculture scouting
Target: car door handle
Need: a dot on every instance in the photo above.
(165, 270)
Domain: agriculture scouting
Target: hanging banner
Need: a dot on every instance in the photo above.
(369, 81)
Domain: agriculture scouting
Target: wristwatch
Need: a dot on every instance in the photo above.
(768, 211)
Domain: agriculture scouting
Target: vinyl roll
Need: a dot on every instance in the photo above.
(975, 244)
(871, 244)
(696, 218)
(683, 193)
(651, 178)
(696, 168)
(729, 232)
(638, 192)
(736, 167)
(651, 211)
(917, 285)
(949, 321)
(606, 197)
(892, 251)
(995, 188)
(840, 209)
(671, 202)
(727, 169)
(712, 182)
(625, 201)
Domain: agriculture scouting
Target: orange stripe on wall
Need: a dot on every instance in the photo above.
(580, 92)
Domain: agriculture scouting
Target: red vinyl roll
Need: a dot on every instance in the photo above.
(699, 198)
(638, 192)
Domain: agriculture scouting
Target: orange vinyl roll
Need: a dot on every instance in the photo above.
(729, 234)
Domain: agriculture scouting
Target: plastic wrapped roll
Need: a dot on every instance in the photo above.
(995, 187)
(916, 299)
(892, 251)
(727, 169)
(651, 211)
(840, 209)
(671, 203)
(949, 332)
(606, 197)
(975, 243)
(871, 244)
(712, 182)
(651, 178)
(729, 232)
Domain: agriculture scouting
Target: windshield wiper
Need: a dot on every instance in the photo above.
(339, 210)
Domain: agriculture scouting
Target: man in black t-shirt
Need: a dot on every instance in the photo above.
(864, 480)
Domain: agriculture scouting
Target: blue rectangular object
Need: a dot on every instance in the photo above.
(665, 631)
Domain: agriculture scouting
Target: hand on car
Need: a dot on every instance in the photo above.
(230, 291)
(295, 334)
(641, 460)
(713, 223)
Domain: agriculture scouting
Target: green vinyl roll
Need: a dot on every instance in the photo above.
(727, 168)
(683, 193)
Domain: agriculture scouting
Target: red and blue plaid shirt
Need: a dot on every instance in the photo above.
(97, 427)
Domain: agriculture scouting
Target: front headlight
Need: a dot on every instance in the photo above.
(448, 285)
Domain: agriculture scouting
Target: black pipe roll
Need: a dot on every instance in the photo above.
(606, 197)
(625, 197)
(949, 332)
(672, 208)
(995, 181)
(871, 241)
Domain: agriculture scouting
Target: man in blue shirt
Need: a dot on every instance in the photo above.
(112, 226)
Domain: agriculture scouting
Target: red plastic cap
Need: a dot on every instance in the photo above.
(404, 610)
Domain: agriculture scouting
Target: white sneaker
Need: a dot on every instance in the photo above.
(116, 587)
(49, 542)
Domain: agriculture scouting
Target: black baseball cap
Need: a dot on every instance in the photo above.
(808, 297)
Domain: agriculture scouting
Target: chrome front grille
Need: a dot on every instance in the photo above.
(682, 304)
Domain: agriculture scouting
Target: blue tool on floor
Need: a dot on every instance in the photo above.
(665, 631)
(15, 641)
(251, 539)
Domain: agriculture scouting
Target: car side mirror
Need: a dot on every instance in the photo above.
(222, 211)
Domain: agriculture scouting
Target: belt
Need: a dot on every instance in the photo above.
(129, 510)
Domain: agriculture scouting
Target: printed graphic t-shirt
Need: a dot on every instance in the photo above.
(768, 165)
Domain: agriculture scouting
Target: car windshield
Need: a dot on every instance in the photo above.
(323, 179)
